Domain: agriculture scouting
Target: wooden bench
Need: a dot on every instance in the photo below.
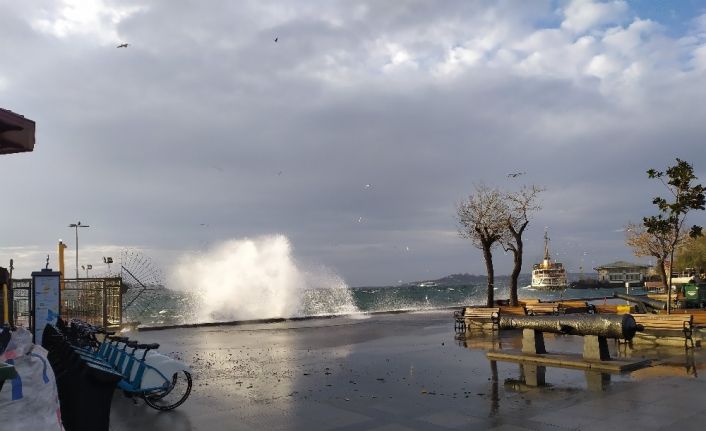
(533, 309)
(665, 325)
(479, 315)
(556, 308)
(577, 307)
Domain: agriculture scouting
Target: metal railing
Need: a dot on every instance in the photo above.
(97, 301)
(22, 302)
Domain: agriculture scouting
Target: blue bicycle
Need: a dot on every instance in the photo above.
(163, 382)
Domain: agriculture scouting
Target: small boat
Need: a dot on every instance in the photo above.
(548, 275)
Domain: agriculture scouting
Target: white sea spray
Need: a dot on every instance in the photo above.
(258, 278)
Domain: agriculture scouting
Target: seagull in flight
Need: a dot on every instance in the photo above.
(515, 174)
(276, 39)
(122, 45)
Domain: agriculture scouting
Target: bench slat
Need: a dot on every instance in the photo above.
(481, 315)
(552, 308)
(667, 322)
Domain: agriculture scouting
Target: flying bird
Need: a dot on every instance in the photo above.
(122, 45)
(515, 174)
(276, 39)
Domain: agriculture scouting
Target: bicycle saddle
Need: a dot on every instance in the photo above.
(151, 346)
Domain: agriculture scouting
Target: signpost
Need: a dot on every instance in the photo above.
(46, 300)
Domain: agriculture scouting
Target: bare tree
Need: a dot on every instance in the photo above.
(483, 218)
(657, 245)
(520, 205)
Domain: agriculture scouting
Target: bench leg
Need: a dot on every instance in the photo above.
(533, 342)
(535, 375)
(687, 338)
(597, 381)
(595, 348)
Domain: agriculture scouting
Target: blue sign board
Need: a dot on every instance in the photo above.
(47, 300)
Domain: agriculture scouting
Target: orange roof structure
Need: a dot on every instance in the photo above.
(16, 133)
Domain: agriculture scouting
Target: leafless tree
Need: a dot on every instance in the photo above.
(520, 205)
(656, 244)
(483, 218)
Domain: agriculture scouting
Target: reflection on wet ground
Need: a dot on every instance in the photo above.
(405, 371)
(534, 376)
(665, 361)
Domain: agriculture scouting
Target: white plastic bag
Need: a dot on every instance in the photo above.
(30, 401)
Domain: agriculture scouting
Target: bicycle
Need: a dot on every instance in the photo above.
(163, 382)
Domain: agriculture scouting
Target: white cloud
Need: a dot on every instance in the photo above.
(457, 59)
(398, 58)
(626, 40)
(582, 15)
(95, 18)
(699, 59)
(194, 124)
(602, 66)
(700, 24)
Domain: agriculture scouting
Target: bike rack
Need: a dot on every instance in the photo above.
(89, 370)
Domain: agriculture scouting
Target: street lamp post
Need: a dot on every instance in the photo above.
(76, 226)
(108, 260)
(87, 268)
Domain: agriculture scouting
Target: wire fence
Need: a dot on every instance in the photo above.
(22, 302)
(97, 301)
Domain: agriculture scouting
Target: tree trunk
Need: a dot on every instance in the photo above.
(662, 272)
(488, 256)
(517, 252)
(669, 281)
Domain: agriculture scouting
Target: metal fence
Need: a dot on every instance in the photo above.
(97, 301)
(22, 302)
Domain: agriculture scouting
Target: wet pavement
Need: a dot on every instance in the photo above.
(408, 372)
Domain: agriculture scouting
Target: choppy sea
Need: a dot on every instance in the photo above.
(168, 307)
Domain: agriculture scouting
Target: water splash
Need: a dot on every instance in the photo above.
(258, 278)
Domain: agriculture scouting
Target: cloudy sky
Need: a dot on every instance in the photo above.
(354, 135)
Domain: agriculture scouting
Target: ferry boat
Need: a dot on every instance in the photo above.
(548, 275)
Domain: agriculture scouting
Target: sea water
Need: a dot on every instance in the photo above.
(258, 278)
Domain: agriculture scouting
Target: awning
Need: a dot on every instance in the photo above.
(16, 133)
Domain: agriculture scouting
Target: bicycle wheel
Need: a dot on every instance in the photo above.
(173, 396)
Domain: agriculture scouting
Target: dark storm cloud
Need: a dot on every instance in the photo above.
(354, 134)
